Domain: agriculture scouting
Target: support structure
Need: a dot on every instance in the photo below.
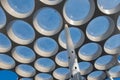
(73, 62)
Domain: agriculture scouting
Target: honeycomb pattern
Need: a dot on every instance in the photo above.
(32, 39)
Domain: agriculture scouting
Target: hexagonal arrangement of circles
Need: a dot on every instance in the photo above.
(33, 41)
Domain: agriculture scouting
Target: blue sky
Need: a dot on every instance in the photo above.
(8, 75)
